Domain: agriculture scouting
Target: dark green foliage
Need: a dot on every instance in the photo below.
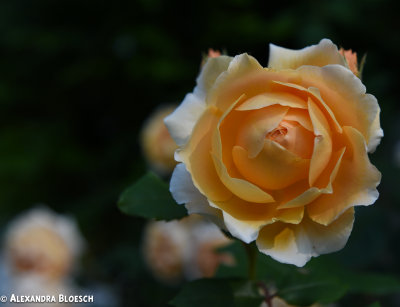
(218, 292)
(149, 197)
(322, 280)
(205, 292)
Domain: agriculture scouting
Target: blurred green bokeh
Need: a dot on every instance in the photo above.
(78, 78)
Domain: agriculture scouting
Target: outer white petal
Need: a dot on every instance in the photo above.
(247, 231)
(209, 73)
(376, 133)
(295, 247)
(322, 54)
(328, 239)
(180, 123)
(182, 187)
(296, 244)
(184, 192)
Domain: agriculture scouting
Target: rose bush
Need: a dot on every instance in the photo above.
(279, 154)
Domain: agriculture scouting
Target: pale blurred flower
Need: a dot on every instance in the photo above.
(184, 249)
(204, 258)
(42, 243)
(278, 302)
(157, 145)
(272, 300)
(38, 285)
(165, 250)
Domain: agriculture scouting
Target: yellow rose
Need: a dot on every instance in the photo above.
(278, 154)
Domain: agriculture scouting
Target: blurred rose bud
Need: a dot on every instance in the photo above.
(351, 60)
(276, 301)
(205, 258)
(211, 54)
(157, 145)
(42, 243)
(185, 249)
(165, 248)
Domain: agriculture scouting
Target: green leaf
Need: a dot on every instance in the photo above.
(358, 282)
(300, 286)
(297, 286)
(205, 292)
(149, 197)
(322, 280)
(307, 292)
(294, 284)
(376, 304)
(246, 293)
(218, 292)
(268, 269)
(240, 269)
(376, 284)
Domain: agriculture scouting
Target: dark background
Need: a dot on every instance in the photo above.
(78, 78)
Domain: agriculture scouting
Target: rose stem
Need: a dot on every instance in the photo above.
(251, 256)
(267, 297)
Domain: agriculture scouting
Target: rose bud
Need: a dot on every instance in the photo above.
(165, 249)
(157, 145)
(185, 249)
(350, 58)
(211, 54)
(42, 243)
(205, 257)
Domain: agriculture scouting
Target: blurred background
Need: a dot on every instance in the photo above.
(79, 78)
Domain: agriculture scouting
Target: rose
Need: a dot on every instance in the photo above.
(279, 154)
(205, 258)
(165, 248)
(44, 244)
(157, 145)
(184, 249)
(351, 60)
